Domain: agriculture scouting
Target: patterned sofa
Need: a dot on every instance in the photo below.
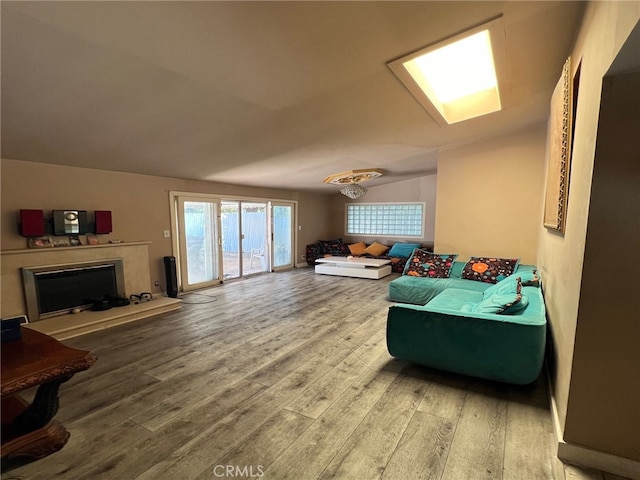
(398, 253)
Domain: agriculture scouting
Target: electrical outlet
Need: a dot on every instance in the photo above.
(156, 283)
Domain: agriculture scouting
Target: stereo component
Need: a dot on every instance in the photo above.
(31, 223)
(103, 222)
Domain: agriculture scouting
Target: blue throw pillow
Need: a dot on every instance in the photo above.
(527, 277)
(517, 307)
(504, 299)
(402, 250)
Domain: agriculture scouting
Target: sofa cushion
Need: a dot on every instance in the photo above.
(334, 247)
(420, 290)
(489, 270)
(403, 250)
(397, 264)
(376, 249)
(312, 252)
(530, 279)
(456, 270)
(507, 296)
(456, 299)
(358, 248)
(527, 277)
(427, 264)
(517, 307)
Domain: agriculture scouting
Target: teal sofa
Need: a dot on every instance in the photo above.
(421, 290)
(451, 333)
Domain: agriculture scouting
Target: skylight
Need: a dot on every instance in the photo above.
(457, 77)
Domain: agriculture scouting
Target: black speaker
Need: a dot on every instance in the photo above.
(171, 276)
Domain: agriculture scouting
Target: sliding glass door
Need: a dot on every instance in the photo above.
(198, 242)
(282, 220)
(255, 245)
(245, 247)
(220, 240)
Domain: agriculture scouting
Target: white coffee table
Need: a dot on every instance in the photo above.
(354, 267)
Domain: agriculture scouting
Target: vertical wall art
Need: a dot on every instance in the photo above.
(559, 152)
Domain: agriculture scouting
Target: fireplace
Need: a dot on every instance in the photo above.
(58, 289)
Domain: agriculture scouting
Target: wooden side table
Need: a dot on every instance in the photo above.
(28, 430)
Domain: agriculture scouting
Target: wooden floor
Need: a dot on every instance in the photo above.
(287, 376)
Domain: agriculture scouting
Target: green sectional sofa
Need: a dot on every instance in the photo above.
(471, 329)
(420, 290)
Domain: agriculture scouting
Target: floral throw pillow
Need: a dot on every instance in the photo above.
(427, 264)
(489, 270)
(334, 247)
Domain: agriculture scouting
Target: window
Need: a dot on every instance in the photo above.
(388, 219)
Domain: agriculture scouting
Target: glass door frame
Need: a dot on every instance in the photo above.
(242, 235)
(179, 246)
(175, 240)
(294, 222)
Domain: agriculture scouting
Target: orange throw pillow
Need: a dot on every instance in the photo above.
(358, 248)
(376, 249)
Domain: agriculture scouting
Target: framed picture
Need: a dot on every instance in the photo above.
(61, 242)
(74, 240)
(92, 239)
(40, 242)
(559, 152)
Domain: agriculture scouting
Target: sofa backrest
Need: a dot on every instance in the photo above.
(456, 270)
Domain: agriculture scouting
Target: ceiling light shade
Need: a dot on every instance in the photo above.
(353, 191)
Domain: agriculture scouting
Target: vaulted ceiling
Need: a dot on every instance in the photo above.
(276, 94)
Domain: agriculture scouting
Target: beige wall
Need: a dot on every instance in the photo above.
(603, 410)
(420, 189)
(581, 392)
(489, 196)
(139, 203)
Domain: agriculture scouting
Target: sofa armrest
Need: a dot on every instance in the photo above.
(312, 253)
(477, 346)
(440, 334)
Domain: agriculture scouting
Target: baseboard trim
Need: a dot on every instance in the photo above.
(585, 457)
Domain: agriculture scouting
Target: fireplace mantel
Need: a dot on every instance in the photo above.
(135, 256)
(53, 250)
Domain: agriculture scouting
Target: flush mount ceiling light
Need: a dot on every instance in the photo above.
(456, 79)
(352, 180)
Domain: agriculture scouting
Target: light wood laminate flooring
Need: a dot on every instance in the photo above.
(287, 376)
